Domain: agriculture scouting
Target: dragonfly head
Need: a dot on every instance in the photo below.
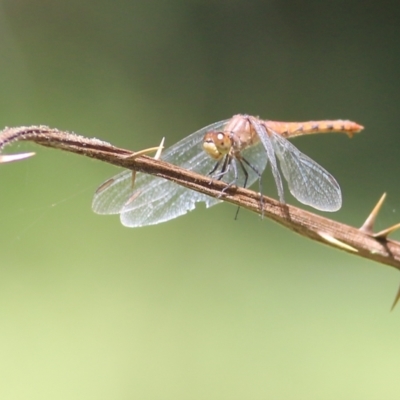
(217, 144)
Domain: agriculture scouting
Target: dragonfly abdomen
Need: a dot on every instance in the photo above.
(292, 129)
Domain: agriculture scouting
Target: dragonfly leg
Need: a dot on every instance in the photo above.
(224, 168)
(246, 177)
(259, 184)
(232, 164)
(211, 173)
(215, 168)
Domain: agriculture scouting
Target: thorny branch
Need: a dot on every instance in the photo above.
(362, 242)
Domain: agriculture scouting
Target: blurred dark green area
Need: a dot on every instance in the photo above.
(202, 307)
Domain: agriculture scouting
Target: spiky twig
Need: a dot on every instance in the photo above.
(362, 242)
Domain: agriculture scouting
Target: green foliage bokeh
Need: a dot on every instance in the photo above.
(202, 307)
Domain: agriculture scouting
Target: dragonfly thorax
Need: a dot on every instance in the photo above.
(217, 144)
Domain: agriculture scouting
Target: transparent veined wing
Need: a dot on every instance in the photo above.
(268, 148)
(308, 182)
(154, 200)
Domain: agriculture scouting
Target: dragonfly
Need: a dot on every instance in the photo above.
(235, 151)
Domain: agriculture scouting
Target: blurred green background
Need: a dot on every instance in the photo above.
(201, 307)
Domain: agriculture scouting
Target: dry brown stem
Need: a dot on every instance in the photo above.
(353, 240)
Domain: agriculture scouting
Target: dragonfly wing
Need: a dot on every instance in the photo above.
(154, 200)
(161, 201)
(112, 195)
(270, 153)
(308, 182)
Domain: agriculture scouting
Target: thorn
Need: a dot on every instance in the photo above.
(145, 151)
(396, 299)
(386, 232)
(14, 157)
(159, 150)
(368, 225)
(336, 242)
